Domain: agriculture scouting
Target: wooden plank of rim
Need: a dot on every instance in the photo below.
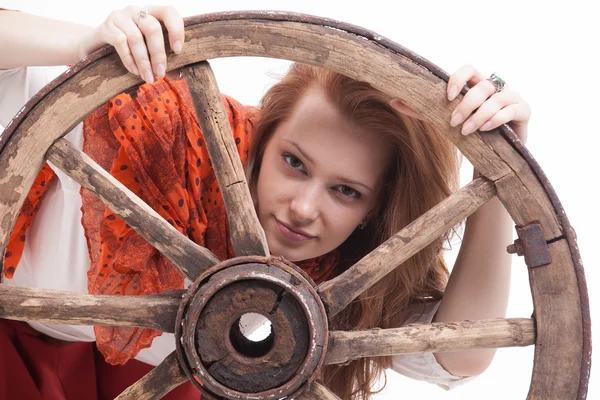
(318, 391)
(521, 192)
(338, 292)
(246, 233)
(557, 310)
(158, 382)
(59, 307)
(188, 256)
(436, 337)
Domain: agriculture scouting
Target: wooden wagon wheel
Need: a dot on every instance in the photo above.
(561, 325)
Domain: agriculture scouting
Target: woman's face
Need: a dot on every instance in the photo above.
(320, 177)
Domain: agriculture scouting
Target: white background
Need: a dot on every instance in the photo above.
(548, 51)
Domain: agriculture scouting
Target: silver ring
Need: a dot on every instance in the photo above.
(142, 14)
(497, 82)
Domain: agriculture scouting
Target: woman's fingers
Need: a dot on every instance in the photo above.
(458, 80)
(137, 45)
(174, 24)
(474, 99)
(503, 116)
(118, 39)
(154, 45)
(137, 35)
(517, 114)
(497, 110)
(483, 108)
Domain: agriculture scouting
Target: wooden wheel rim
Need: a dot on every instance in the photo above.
(500, 158)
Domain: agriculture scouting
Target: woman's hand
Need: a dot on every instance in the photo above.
(138, 38)
(484, 109)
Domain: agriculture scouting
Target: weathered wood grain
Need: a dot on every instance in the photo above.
(189, 257)
(559, 333)
(521, 192)
(158, 382)
(246, 233)
(317, 391)
(60, 307)
(337, 293)
(436, 337)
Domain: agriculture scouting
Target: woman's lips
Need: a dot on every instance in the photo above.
(292, 234)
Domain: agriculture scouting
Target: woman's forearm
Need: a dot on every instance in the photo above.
(479, 284)
(28, 40)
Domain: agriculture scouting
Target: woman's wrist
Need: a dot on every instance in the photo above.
(89, 44)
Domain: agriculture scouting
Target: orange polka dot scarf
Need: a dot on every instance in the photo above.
(151, 142)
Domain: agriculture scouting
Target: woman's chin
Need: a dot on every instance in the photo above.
(291, 250)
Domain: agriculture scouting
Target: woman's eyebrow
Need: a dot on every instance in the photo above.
(356, 183)
(297, 146)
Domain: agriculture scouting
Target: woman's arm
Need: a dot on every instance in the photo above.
(29, 40)
(479, 283)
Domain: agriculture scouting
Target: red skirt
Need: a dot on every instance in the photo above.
(34, 366)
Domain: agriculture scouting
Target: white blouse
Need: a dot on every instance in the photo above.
(56, 257)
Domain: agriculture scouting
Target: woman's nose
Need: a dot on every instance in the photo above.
(304, 206)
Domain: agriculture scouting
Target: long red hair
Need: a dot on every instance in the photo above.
(423, 172)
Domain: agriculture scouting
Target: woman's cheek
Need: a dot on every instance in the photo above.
(351, 214)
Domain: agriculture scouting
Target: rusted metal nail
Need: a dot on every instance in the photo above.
(531, 244)
(515, 248)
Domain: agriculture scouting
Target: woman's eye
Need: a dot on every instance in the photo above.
(348, 191)
(294, 162)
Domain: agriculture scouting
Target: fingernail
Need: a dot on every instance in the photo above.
(148, 77)
(456, 119)
(452, 92)
(177, 47)
(160, 70)
(469, 127)
(486, 126)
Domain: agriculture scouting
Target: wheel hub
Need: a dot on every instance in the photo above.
(213, 348)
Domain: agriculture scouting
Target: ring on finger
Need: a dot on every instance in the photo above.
(143, 13)
(498, 82)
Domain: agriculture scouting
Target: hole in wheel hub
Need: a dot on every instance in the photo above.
(252, 335)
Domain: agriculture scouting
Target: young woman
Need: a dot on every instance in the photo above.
(335, 168)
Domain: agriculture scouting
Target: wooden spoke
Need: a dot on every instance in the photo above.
(158, 382)
(318, 391)
(247, 236)
(340, 291)
(58, 307)
(436, 337)
(189, 257)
